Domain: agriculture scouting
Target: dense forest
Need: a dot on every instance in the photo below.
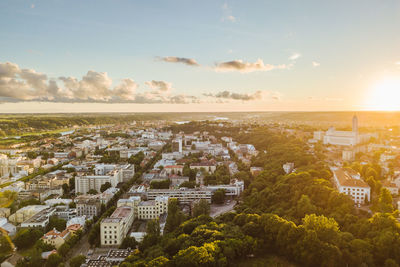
(298, 217)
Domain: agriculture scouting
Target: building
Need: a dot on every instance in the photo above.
(174, 169)
(9, 228)
(348, 155)
(288, 167)
(115, 228)
(25, 213)
(349, 182)
(392, 187)
(234, 189)
(114, 257)
(152, 209)
(206, 165)
(88, 206)
(40, 219)
(85, 183)
(177, 145)
(184, 195)
(56, 238)
(256, 170)
(146, 210)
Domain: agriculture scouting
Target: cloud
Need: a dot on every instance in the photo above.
(397, 63)
(183, 60)
(258, 95)
(227, 13)
(161, 86)
(245, 67)
(18, 84)
(294, 56)
(315, 64)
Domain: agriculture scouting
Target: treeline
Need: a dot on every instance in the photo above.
(298, 216)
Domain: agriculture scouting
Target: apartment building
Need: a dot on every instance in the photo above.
(115, 228)
(349, 182)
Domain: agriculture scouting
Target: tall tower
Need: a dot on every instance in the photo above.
(355, 124)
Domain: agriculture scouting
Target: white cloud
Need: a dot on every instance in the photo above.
(294, 56)
(29, 85)
(161, 86)
(245, 67)
(315, 64)
(227, 13)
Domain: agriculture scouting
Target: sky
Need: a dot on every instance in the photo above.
(182, 55)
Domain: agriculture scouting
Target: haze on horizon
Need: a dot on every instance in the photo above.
(172, 56)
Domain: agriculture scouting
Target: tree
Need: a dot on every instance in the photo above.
(64, 249)
(65, 189)
(92, 192)
(304, 206)
(128, 242)
(188, 184)
(94, 235)
(175, 216)
(77, 261)
(54, 260)
(105, 186)
(200, 208)
(385, 201)
(26, 238)
(219, 196)
(57, 223)
(5, 244)
(152, 236)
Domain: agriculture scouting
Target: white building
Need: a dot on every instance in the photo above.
(349, 182)
(115, 228)
(85, 183)
(234, 189)
(177, 145)
(184, 195)
(288, 167)
(146, 210)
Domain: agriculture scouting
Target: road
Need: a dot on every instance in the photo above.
(81, 248)
(217, 210)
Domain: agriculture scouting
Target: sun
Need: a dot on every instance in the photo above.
(385, 94)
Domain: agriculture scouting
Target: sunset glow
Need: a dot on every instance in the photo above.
(385, 95)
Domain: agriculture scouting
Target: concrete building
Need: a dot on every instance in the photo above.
(177, 145)
(207, 166)
(40, 219)
(85, 183)
(184, 195)
(25, 213)
(349, 182)
(88, 206)
(115, 228)
(234, 189)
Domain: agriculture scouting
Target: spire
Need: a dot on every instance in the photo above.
(355, 124)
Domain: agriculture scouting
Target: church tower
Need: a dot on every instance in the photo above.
(355, 124)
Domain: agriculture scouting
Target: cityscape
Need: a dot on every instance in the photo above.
(212, 133)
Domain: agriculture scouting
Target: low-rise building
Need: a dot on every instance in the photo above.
(349, 182)
(184, 195)
(288, 167)
(40, 219)
(56, 238)
(87, 205)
